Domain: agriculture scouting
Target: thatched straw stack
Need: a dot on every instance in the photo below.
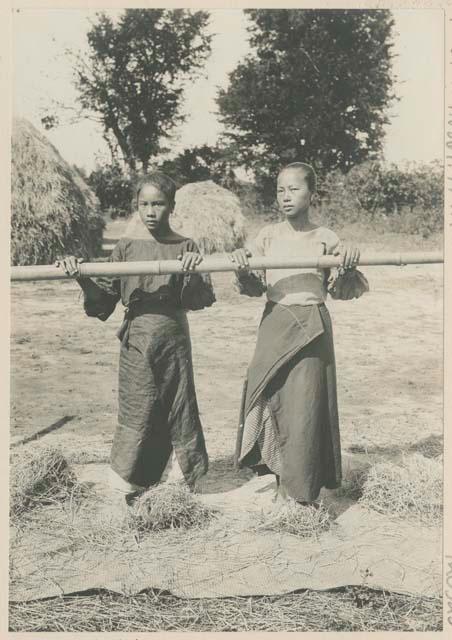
(411, 489)
(53, 212)
(208, 214)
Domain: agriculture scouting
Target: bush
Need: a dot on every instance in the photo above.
(402, 200)
(113, 189)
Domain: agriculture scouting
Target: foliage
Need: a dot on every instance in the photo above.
(416, 186)
(113, 189)
(132, 80)
(197, 164)
(408, 199)
(315, 88)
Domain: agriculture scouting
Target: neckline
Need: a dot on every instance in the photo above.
(295, 231)
(151, 238)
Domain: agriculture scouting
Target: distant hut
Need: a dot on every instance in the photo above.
(207, 213)
(53, 211)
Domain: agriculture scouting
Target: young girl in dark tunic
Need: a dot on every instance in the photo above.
(158, 411)
(289, 420)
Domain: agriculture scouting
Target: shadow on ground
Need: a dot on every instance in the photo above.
(223, 476)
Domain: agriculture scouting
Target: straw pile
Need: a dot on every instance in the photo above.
(430, 447)
(53, 212)
(303, 521)
(168, 506)
(38, 476)
(210, 215)
(411, 489)
(349, 609)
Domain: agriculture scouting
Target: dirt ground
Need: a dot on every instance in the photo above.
(388, 350)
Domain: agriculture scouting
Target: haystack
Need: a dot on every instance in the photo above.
(209, 214)
(53, 211)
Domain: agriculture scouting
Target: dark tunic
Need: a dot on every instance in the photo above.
(158, 410)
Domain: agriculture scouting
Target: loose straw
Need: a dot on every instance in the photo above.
(209, 265)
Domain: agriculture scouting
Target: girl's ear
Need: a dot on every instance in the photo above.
(314, 198)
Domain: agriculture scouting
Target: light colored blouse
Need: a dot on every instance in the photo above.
(295, 286)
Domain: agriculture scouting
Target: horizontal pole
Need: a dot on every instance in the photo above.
(211, 265)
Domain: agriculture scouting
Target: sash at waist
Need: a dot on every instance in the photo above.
(159, 304)
(283, 332)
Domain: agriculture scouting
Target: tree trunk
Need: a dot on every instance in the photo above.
(128, 156)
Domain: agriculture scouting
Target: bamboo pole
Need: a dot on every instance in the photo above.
(210, 265)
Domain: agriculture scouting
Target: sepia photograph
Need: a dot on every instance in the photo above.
(226, 319)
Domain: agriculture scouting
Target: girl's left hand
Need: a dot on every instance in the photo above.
(350, 256)
(190, 260)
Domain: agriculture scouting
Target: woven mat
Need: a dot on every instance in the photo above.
(229, 558)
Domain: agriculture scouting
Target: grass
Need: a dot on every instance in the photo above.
(413, 488)
(348, 609)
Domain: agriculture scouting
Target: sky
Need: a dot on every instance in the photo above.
(41, 73)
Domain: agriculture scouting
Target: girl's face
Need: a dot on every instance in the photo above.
(292, 192)
(154, 207)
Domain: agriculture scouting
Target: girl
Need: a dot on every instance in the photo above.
(158, 410)
(289, 419)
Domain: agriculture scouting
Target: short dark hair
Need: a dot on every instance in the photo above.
(159, 180)
(308, 171)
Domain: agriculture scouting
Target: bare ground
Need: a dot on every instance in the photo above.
(388, 350)
(389, 360)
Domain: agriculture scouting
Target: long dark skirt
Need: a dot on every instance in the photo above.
(158, 411)
(289, 421)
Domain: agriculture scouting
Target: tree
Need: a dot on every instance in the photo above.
(202, 163)
(132, 80)
(315, 88)
(113, 189)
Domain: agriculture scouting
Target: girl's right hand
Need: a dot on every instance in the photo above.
(69, 264)
(240, 258)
